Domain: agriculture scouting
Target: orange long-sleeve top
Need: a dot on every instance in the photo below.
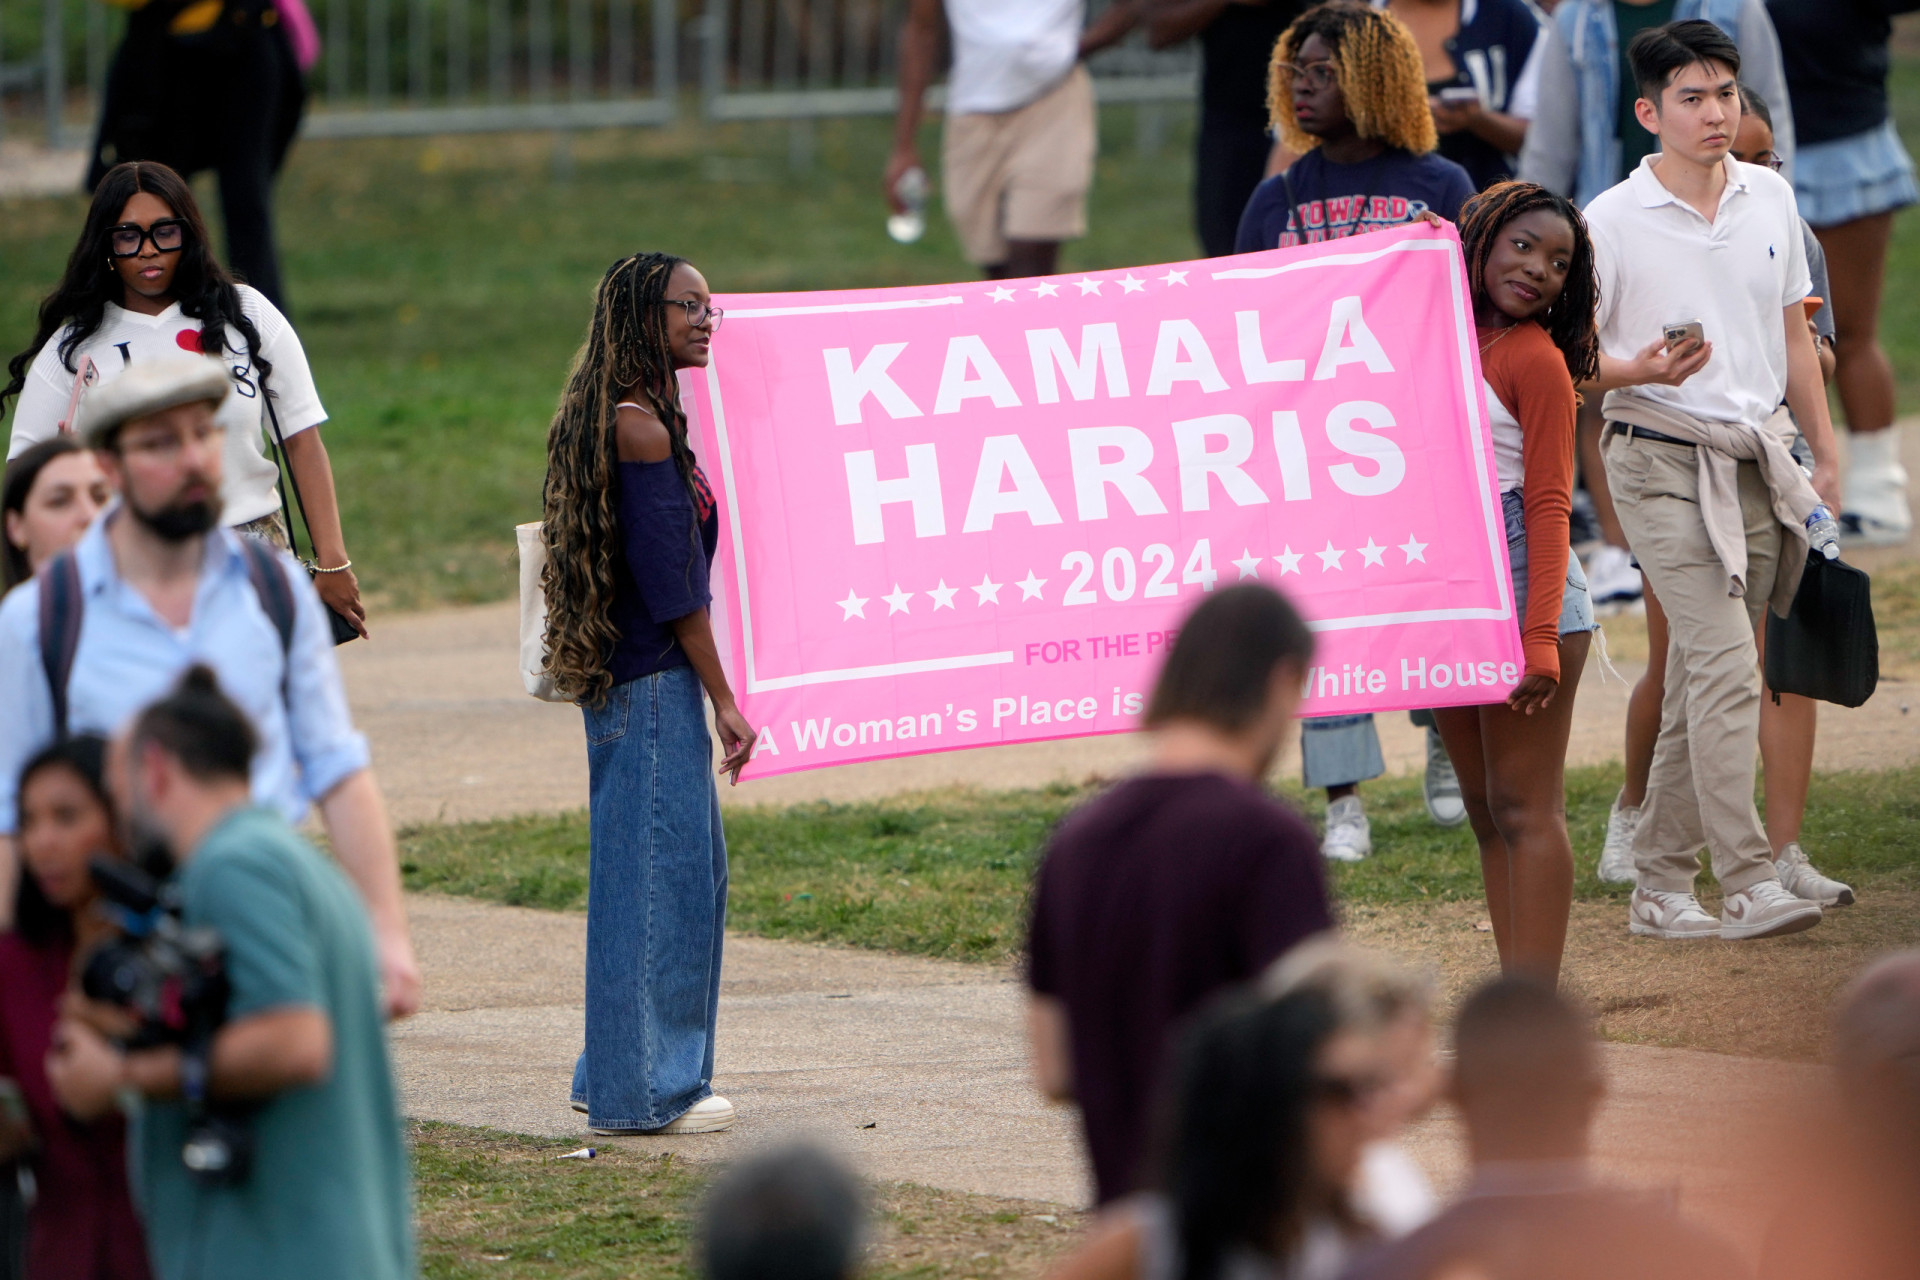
(1529, 375)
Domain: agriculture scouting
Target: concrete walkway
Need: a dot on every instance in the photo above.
(917, 1069)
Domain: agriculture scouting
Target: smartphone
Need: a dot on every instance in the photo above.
(1683, 331)
(1813, 305)
(1459, 95)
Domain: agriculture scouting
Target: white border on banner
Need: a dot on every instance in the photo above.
(1496, 542)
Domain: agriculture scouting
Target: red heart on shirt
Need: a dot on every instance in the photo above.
(189, 340)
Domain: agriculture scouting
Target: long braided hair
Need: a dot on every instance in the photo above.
(626, 347)
(1378, 66)
(1570, 320)
(202, 285)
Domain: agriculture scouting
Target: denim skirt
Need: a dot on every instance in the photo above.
(1853, 177)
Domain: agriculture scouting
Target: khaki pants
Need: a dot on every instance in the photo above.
(1700, 791)
(1021, 174)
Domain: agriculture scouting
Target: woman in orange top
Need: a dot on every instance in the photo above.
(1530, 267)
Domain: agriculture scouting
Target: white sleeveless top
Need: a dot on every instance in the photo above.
(1506, 442)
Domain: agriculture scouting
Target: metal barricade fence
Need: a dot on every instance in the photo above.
(408, 67)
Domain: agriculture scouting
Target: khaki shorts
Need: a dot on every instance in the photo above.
(1021, 174)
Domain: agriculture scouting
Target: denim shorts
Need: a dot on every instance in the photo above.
(1853, 177)
(1576, 603)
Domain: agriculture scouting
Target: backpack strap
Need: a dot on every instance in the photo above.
(276, 597)
(62, 605)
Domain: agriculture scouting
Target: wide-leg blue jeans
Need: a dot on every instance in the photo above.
(656, 904)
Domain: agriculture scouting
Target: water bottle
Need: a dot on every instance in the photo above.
(1823, 531)
(911, 192)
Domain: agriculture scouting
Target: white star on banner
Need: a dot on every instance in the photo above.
(1329, 559)
(1414, 549)
(1289, 560)
(1173, 277)
(943, 595)
(1129, 284)
(854, 605)
(1371, 554)
(1248, 564)
(988, 590)
(1001, 294)
(897, 602)
(1046, 289)
(1088, 285)
(1030, 587)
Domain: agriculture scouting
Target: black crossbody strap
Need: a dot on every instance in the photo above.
(62, 605)
(276, 597)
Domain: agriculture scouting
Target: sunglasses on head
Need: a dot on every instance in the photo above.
(169, 235)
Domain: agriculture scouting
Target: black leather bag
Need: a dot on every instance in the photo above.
(1826, 647)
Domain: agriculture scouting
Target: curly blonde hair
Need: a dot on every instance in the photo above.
(626, 347)
(1379, 69)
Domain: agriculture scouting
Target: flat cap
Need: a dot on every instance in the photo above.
(149, 387)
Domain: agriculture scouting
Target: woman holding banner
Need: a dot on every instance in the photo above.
(1530, 266)
(630, 531)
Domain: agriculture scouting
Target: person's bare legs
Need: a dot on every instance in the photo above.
(1856, 267)
(1027, 258)
(1515, 793)
(1643, 708)
(1786, 755)
(1587, 430)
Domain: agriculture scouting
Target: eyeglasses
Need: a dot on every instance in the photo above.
(169, 235)
(698, 312)
(1773, 160)
(1318, 75)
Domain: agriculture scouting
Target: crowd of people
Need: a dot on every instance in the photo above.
(174, 708)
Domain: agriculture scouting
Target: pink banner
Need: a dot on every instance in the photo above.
(970, 514)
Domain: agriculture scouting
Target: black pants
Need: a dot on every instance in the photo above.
(1230, 159)
(230, 101)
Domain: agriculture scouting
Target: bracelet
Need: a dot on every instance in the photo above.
(339, 568)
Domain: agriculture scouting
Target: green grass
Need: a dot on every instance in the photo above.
(946, 874)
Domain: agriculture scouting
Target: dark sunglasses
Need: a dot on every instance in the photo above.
(169, 235)
(698, 312)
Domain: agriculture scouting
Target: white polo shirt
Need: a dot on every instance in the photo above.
(1660, 262)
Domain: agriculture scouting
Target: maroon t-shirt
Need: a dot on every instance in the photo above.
(1151, 899)
(83, 1226)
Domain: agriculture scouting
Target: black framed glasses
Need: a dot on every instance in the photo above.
(169, 235)
(1317, 75)
(698, 312)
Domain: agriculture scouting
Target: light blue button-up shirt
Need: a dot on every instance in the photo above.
(128, 657)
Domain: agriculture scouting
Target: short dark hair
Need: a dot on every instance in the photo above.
(791, 1214)
(1754, 105)
(1518, 1042)
(198, 725)
(21, 474)
(38, 922)
(1218, 668)
(1656, 53)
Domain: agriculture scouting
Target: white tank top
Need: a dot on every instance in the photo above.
(1507, 462)
(1007, 53)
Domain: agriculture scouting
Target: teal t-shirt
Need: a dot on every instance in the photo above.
(329, 1197)
(1629, 20)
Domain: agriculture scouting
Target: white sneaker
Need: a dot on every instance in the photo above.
(711, 1114)
(1349, 836)
(1875, 512)
(1616, 856)
(1765, 910)
(1611, 577)
(1803, 881)
(1652, 913)
(1442, 785)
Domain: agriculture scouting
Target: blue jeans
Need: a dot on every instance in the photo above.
(656, 904)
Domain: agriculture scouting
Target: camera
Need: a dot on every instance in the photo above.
(171, 980)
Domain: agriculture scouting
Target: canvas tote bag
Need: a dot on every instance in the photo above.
(533, 614)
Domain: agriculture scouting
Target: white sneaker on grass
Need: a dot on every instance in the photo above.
(1654, 913)
(1349, 835)
(1442, 785)
(1765, 910)
(1616, 856)
(1875, 512)
(711, 1114)
(1611, 577)
(1804, 881)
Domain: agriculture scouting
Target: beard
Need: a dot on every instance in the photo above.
(178, 521)
(148, 845)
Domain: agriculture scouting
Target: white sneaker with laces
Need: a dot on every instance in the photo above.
(1875, 512)
(1654, 913)
(1616, 856)
(1349, 835)
(1611, 577)
(1797, 873)
(1765, 910)
(711, 1114)
(1442, 785)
